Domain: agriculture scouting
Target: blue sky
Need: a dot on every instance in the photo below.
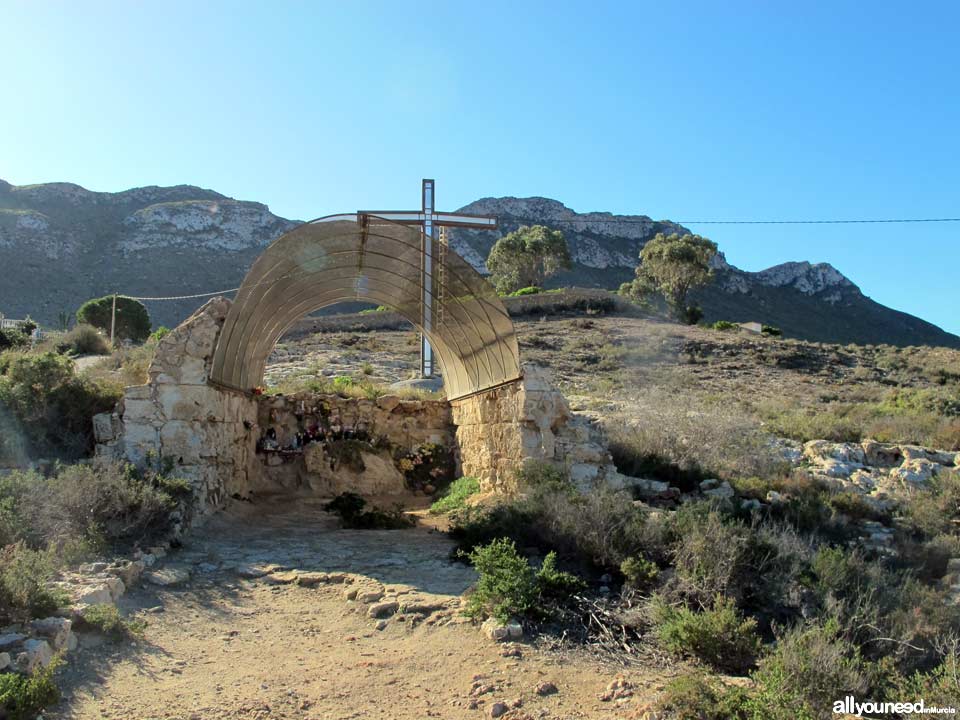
(680, 110)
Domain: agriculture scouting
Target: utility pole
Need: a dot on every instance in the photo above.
(113, 321)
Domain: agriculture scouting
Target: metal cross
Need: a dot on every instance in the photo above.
(430, 221)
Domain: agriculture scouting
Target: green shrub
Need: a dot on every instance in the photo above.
(342, 383)
(539, 474)
(350, 507)
(13, 339)
(940, 686)
(24, 574)
(771, 330)
(24, 698)
(132, 320)
(84, 340)
(159, 334)
(107, 619)
(529, 290)
(507, 586)
(809, 669)
(555, 585)
(639, 573)
(456, 495)
(719, 636)
(725, 325)
(697, 697)
(52, 406)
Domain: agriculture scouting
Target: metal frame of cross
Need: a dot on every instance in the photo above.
(429, 221)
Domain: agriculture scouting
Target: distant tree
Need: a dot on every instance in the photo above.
(673, 265)
(133, 320)
(28, 326)
(527, 257)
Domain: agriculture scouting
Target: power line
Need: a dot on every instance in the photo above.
(861, 221)
(739, 222)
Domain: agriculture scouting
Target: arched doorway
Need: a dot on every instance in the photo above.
(351, 257)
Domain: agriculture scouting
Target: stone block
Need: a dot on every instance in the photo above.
(36, 654)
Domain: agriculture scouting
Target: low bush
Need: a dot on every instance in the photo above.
(809, 669)
(771, 330)
(719, 636)
(350, 507)
(725, 325)
(13, 339)
(84, 340)
(159, 334)
(456, 496)
(111, 500)
(682, 439)
(601, 528)
(529, 290)
(52, 406)
(24, 574)
(508, 587)
(25, 697)
(639, 573)
(107, 619)
(696, 696)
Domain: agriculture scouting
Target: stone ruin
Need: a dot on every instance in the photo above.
(214, 436)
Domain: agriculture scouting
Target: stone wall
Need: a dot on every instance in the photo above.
(209, 434)
(391, 428)
(528, 420)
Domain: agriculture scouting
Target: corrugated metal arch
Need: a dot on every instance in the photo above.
(346, 258)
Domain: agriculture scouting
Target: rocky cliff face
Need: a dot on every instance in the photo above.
(61, 244)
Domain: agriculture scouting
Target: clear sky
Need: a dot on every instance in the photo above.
(680, 110)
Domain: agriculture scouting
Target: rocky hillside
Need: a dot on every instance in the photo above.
(62, 244)
(68, 244)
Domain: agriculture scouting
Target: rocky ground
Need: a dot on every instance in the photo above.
(272, 611)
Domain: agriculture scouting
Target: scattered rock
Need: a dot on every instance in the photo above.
(4, 660)
(501, 632)
(171, 575)
(498, 709)
(36, 654)
(383, 609)
(254, 571)
(617, 689)
(546, 688)
(11, 640)
(57, 630)
(94, 595)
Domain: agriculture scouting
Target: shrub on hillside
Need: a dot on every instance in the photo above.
(808, 670)
(683, 439)
(24, 577)
(13, 338)
(718, 635)
(25, 697)
(695, 696)
(109, 502)
(107, 619)
(771, 330)
(529, 290)
(725, 325)
(455, 496)
(84, 340)
(52, 406)
(601, 528)
(509, 587)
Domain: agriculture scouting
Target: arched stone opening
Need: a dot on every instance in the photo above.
(201, 410)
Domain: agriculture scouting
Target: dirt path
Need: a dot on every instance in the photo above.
(290, 644)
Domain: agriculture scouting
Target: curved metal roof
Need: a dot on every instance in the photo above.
(351, 257)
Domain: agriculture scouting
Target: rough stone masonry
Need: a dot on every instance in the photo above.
(211, 433)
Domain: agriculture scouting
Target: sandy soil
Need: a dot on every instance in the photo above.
(223, 645)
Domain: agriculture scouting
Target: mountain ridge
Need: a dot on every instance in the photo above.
(183, 239)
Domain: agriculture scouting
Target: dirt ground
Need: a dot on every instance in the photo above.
(290, 644)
